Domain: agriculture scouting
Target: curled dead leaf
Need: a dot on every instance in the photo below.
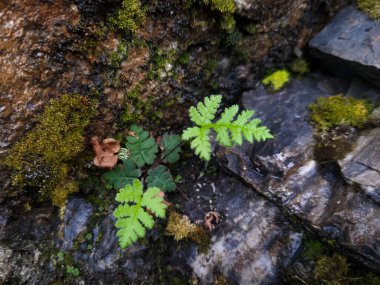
(211, 218)
(105, 152)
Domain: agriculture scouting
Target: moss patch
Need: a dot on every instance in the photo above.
(339, 110)
(277, 79)
(371, 7)
(181, 228)
(129, 17)
(41, 159)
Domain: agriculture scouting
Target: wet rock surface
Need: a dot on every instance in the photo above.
(284, 169)
(362, 166)
(252, 245)
(350, 44)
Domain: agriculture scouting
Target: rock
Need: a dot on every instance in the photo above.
(350, 44)
(284, 169)
(362, 165)
(77, 214)
(254, 242)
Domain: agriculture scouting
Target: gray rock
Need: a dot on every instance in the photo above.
(362, 165)
(284, 170)
(77, 215)
(352, 41)
(252, 245)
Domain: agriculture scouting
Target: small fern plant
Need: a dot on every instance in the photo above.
(134, 214)
(230, 129)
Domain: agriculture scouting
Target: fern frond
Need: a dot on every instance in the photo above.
(228, 129)
(142, 146)
(131, 214)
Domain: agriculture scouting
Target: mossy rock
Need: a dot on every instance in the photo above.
(41, 159)
(339, 110)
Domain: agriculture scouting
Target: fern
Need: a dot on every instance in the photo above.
(121, 175)
(228, 130)
(160, 177)
(142, 146)
(132, 216)
(171, 148)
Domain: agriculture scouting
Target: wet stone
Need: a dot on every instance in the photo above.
(350, 44)
(285, 171)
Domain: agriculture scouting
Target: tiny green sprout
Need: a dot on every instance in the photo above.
(71, 270)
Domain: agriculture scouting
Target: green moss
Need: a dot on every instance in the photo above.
(181, 228)
(129, 17)
(313, 249)
(299, 66)
(209, 68)
(228, 22)
(223, 6)
(41, 159)
(332, 269)
(339, 110)
(277, 79)
(184, 59)
(251, 29)
(371, 7)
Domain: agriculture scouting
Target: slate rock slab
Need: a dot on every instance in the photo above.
(350, 43)
(284, 169)
(362, 165)
(253, 243)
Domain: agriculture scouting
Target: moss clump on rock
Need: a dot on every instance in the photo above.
(129, 17)
(181, 228)
(223, 6)
(332, 270)
(371, 7)
(339, 110)
(41, 159)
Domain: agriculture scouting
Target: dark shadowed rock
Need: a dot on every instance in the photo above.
(284, 170)
(352, 41)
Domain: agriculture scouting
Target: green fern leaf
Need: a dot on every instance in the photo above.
(171, 147)
(160, 177)
(142, 147)
(228, 130)
(131, 214)
(121, 175)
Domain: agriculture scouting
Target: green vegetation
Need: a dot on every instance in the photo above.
(141, 146)
(73, 271)
(228, 129)
(171, 145)
(131, 215)
(332, 269)
(182, 228)
(160, 177)
(277, 79)
(339, 110)
(323, 265)
(299, 66)
(141, 150)
(42, 158)
(121, 175)
(228, 22)
(129, 17)
(371, 7)
(223, 6)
